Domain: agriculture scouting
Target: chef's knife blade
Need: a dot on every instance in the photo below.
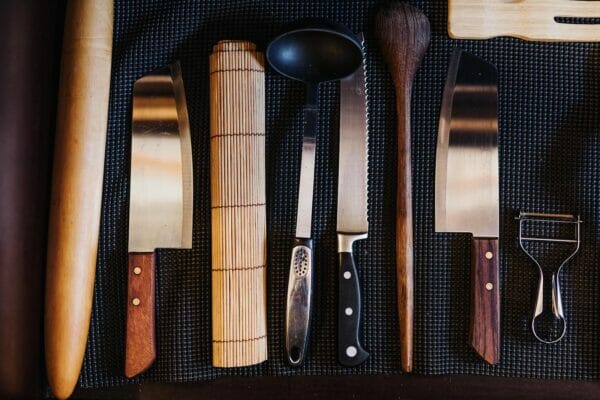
(466, 186)
(160, 213)
(160, 210)
(352, 222)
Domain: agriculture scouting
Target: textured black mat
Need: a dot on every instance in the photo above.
(550, 97)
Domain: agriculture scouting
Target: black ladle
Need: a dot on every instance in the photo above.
(314, 51)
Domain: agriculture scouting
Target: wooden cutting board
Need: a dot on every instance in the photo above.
(541, 20)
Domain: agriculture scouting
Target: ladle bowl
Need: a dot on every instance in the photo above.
(319, 51)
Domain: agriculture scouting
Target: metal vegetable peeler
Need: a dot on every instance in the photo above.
(547, 222)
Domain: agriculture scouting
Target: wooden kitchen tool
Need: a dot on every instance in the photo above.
(77, 188)
(544, 20)
(238, 201)
(403, 33)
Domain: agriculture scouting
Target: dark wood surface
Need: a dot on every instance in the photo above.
(485, 299)
(403, 34)
(30, 32)
(140, 341)
(368, 387)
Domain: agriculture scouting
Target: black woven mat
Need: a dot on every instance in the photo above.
(549, 118)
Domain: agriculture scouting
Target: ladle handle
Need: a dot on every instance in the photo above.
(299, 295)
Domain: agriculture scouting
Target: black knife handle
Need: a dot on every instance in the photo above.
(350, 351)
(299, 299)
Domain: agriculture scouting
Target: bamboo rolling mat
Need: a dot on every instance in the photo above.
(238, 203)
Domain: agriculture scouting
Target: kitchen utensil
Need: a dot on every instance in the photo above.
(466, 186)
(312, 52)
(29, 31)
(546, 20)
(352, 224)
(403, 33)
(238, 201)
(160, 200)
(542, 224)
(76, 188)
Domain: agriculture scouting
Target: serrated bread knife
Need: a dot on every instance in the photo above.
(352, 221)
(160, 209)
(466, 186)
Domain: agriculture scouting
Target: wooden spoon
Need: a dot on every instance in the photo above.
(403, 33)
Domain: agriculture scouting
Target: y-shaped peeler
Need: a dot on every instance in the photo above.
(547, 223)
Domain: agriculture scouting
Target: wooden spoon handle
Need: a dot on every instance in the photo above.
(404, 231)
(140, 343)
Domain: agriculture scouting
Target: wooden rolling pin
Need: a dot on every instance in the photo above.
(77, 188)
(238, 200)
(403, 33)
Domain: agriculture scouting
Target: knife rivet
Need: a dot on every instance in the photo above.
(489, 286)
(351, 351)
(135, 301)
(137, 270)
(347, 275)
(489, 255)
(348, 311)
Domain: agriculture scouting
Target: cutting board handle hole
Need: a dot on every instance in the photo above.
(578, 20)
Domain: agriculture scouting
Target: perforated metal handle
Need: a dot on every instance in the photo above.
(299, 297)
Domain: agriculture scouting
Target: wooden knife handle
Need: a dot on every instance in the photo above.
(485, 299)
(403, 33)
(140, 343)
(76, 202)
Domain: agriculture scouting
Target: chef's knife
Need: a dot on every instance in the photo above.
(160, 211)
(352, 222)
(466, 186)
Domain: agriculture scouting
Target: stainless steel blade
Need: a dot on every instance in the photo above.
(466, 181)
(352, 173)
(161, 196)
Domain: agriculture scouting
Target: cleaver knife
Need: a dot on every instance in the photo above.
(352, 221)
(466, 186)
(160, 211)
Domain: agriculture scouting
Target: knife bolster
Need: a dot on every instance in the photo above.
(140, 347)
(345, 241)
